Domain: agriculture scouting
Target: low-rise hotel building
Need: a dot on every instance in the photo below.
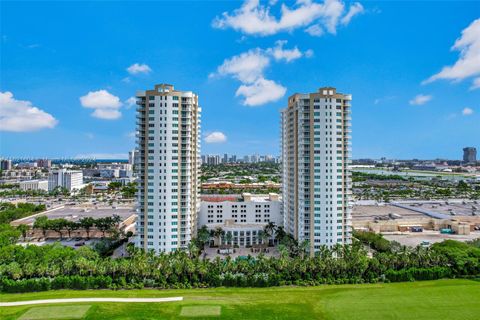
(243, 216)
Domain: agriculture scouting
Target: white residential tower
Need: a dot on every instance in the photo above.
(168, 142)
(316, 154)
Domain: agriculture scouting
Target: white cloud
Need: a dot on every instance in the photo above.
(106, 105)
(354, 10)
(107, 114)
(100, 99)
(110, 156)
(215, 137)
(279, 53)
(137, 68)
(22, 116)
(256, 19)
(467, 111)
(260, 92)
(476, 84)
(420, 99)
(383, 99)
(130, 102)
(308, 53)
(468, 64)
(249, 68)
(315, 30)
(245, 67)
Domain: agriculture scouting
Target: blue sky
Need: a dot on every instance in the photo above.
(243, 64)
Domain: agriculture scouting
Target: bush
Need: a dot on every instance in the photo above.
(59, 282)
(375, 240)
(413, 274)
(25, 285)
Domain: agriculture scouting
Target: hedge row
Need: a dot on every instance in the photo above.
(59, 282)
(227, 279)
(413, 274)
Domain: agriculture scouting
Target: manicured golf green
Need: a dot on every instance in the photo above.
(442, 299)
(55, 312)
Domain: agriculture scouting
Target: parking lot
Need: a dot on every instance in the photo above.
(413, 239)
(71, 242)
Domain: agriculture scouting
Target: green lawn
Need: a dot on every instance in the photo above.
(56, 312)
(443, 299)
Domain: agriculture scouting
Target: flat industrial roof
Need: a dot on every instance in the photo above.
(443, 209)
(369, 212)
(438, 209)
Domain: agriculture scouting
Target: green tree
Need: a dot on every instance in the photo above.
(87, 223)
(129, 190)
(228, 238)
(71, 226)
(57, 225)
(23, 229)
(114, 186)
(42, 224)
(203, 236)
(218, 233)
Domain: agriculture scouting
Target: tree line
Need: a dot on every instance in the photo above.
(59, 225)
(36, 268)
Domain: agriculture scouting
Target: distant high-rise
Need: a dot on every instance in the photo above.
(5, 164)
(63, 178)
(44, 163)
(225, 158)
(133, 157)
(168, 123)
(213, 160)
(316, 155)
(469, 154)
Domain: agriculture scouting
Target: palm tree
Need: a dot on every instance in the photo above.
(303, 247)
(269, 229)
(192, 250)
(203, 236)
(262, 235)
(218, 233)
(280, 233)
(23, 228)
(283, 250)
(229, 238)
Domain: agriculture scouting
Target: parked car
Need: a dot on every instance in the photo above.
(416, 229)
(425, 243)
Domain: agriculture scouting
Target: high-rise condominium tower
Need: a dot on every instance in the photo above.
(316, 155)
(168, 124)
(469, 154)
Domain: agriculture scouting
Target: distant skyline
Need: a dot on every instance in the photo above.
(67, 84)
